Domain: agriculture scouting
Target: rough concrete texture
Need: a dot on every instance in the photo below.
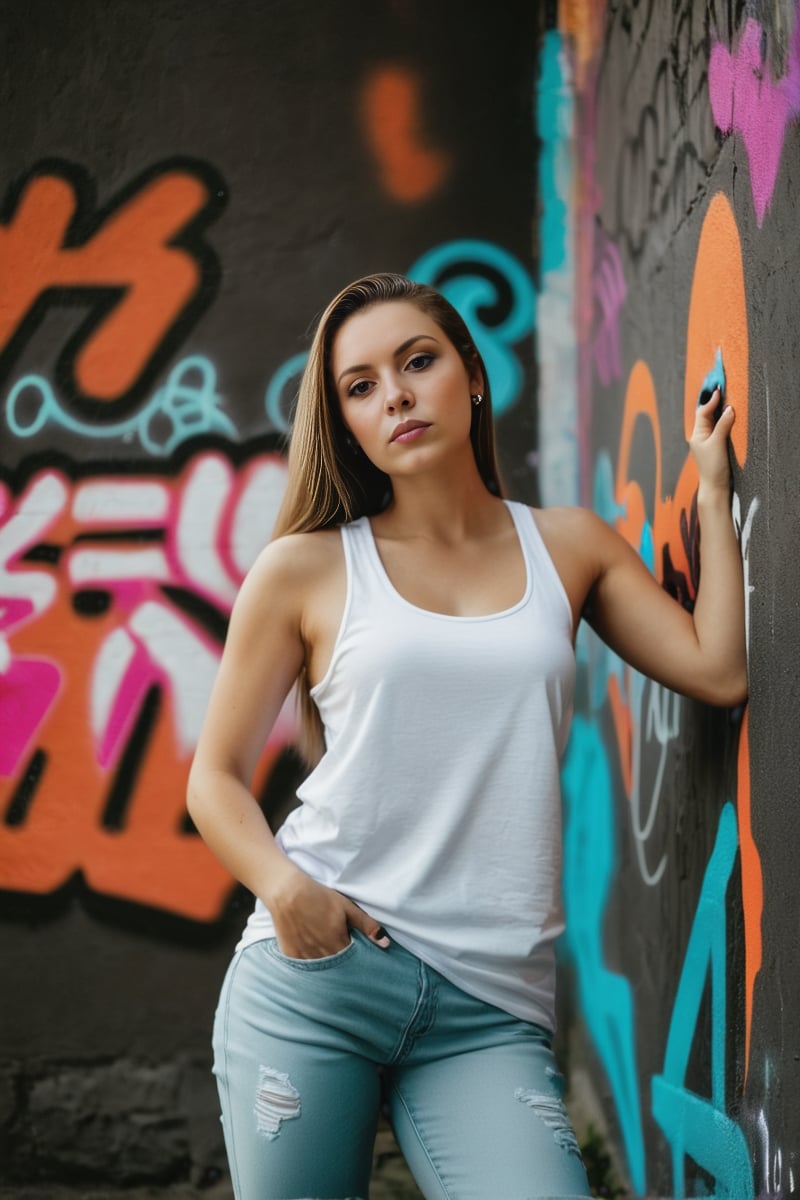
(391, 1180)
(125, 1122)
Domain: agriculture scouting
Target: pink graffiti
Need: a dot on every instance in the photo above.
(28, 684)
(610, 291)
(744, 97)
(114, 593)
(211, 526)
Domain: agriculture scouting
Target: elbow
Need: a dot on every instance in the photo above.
(194, 792)
(730, 692)
(208, 786)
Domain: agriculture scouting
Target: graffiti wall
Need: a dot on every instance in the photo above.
(180, 195)
(679, 128)
(183, 188)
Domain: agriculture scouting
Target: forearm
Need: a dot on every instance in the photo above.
(310, 919)
(235, 829)
(719, 614)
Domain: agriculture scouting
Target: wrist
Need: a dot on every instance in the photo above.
(280, 883)
(714, 496)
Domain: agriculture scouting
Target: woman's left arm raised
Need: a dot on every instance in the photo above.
(702, 654)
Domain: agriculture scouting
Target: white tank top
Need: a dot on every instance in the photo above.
(436, 805)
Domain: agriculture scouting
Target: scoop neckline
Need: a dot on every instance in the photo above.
(429, 612)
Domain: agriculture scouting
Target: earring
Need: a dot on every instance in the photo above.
(351, 443)
(477, 399)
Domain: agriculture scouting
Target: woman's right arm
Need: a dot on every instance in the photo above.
(264, 652)
(262, 657)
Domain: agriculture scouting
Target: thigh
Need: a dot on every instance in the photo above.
(489, 1122)
(299, 1103)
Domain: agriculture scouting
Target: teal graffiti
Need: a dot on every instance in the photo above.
(472, 293)
(604, 501)
(561, 432)
(589, 862)
(693, 1125)
(714, 379)
(187, 405)
(554, 126)
(647, 547)
(274, 400)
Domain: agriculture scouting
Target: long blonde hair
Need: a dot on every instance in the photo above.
(330, 480)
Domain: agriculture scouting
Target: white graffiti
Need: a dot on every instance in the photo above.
(662, 725)
(744, 531)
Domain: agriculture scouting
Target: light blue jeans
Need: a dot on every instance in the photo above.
(474, 1094)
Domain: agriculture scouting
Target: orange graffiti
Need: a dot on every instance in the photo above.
(99, 781)
(134, 267)
(718, 318)
(641, 402)
(583, 20)
(717, 321)
(410, 171)
(152, 860)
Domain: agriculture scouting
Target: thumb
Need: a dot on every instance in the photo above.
(709, 408)
(358, 919)
(726, 418)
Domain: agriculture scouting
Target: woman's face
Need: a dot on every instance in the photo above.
(403, 388)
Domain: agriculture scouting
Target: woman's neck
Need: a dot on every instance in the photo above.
(445, 507)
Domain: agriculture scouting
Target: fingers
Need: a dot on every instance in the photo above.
(708, 406)
(358, 919)
(710, 414)
(709, 399)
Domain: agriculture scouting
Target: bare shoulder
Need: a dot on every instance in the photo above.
(289, 569)
(570, 528)
(298, 558)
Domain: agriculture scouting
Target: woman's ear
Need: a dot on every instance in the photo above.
(477, 384)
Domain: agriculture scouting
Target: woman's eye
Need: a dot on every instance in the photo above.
(420, 361)
(359, 388)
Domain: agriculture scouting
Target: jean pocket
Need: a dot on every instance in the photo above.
(310, 964)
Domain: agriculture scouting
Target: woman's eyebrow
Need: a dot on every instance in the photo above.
(428, 337)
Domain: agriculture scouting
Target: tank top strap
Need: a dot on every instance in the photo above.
(541, 568)
(363, 566)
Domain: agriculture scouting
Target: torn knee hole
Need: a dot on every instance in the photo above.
(551, 1110)
(276, 1101)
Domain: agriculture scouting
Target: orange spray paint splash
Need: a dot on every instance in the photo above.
(391, 111)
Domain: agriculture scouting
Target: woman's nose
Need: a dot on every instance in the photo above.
(398, 396)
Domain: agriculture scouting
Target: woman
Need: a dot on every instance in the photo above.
(407, 910)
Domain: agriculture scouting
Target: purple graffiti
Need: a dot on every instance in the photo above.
(608, 285)
(745, 97)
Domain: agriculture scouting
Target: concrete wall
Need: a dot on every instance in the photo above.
(675, 132)
(184, 185)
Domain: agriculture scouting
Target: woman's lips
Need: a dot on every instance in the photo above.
(409, 431)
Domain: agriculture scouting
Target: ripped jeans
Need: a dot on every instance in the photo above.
(474, 1095)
